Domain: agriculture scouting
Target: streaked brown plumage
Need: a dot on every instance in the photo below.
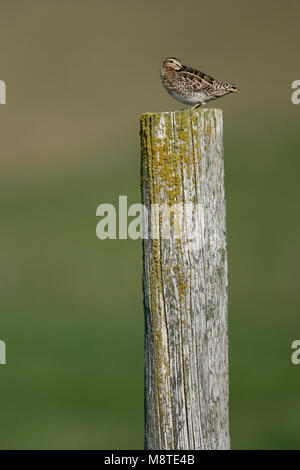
(190, 86)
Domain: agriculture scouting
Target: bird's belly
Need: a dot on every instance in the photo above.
(189, 99)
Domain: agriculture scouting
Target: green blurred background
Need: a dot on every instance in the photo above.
(78, 76)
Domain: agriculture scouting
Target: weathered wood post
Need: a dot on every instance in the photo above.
(185, 281)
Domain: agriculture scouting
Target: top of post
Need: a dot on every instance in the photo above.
(185, 113)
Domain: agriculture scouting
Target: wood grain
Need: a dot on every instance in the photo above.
(185, 283)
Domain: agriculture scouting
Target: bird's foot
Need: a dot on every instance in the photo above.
(196, 106)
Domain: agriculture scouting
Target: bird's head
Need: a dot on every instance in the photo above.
(173, 63)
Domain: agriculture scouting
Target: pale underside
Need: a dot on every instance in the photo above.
(193, 98)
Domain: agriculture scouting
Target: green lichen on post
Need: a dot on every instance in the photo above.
(182, 162)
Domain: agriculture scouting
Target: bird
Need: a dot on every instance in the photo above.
(189, 86)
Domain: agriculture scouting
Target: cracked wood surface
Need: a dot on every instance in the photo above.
(185, 284)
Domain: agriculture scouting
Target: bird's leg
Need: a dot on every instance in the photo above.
(196, 106)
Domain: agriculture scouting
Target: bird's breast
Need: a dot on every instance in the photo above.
(190, 99)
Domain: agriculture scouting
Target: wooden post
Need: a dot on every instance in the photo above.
(185, 282)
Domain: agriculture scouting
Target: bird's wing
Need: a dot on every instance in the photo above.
(195, 80)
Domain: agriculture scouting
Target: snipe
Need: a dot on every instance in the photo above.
(189, 86)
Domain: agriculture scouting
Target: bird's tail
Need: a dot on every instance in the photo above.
(234, 89)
